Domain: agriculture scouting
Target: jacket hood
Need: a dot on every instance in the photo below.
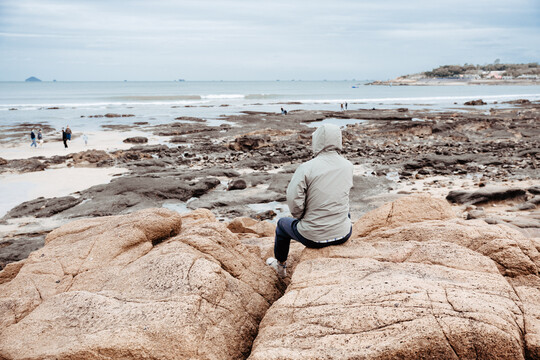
(326, 138)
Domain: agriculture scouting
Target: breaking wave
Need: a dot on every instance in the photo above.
(157, 97)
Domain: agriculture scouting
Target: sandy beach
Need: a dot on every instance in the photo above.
(97, 140)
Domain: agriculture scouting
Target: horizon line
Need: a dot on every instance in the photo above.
(180, 81)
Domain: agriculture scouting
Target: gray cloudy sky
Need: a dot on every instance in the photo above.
(259, 40)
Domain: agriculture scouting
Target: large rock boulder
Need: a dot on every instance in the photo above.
(136, 140)
(25, 165)
(475, 102)
(136, 286)
(249, 142)
(219, 198)
(237, 184)
(403, 211)
(130, 193)
(42, 207)
(92, 157)
(485, 195)
(413, 282)
(245, 225)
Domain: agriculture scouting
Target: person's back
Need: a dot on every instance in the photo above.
(318, 198)
(33, 138)
(327, 179)
(64, 138)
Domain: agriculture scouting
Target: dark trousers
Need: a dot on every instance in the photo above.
(65, 143)
(287, 229)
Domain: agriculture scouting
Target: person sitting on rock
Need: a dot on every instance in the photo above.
(318, 198)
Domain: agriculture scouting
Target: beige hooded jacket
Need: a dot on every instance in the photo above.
(318, 194)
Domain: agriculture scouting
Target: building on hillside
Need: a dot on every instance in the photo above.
(494, 75)
(528, 76)
(469, 76)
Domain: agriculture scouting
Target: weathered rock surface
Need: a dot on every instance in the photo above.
(144, 285)
(249, 142)
(125, 192)
(475, 102)
(136, 140)
(217, 199)
(16, 248)
(111, 115)
(251, 226)
(403, 211)
(237, 184)
(484, 195)
(414, 282)
(24, 165)
(42, 207)
(99, 157)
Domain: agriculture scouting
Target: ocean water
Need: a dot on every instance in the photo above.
(158, 102)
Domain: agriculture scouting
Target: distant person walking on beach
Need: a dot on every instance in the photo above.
(40, 138)
(283, 111)
(68, 132)
(345, 106)
(85, 138)
(64, 138)
(33, 138)
(318, 198)
(341, 106)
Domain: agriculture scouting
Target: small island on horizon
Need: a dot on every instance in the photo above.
(32, 79)
(469, 74)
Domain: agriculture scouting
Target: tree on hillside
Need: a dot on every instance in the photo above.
(514, 70)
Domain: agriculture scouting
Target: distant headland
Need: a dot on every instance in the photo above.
(468, 74)
(33, 78)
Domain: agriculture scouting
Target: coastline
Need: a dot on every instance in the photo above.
(453, 82)
(240, 164)
(445, 207)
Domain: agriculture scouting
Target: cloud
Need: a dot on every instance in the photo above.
(242, 39)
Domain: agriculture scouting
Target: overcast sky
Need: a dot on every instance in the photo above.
(259, 40)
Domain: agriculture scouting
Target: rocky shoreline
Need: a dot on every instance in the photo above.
(453, 82)
(167, 260)
(242, 167)
(414, 281)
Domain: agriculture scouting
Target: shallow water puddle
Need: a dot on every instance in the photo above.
(335, 121)
(17, 188)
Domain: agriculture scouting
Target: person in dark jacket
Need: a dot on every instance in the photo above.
(40, 138)
(64, 138)
(33, 138)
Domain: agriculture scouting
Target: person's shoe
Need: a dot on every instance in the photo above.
(280, 268)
